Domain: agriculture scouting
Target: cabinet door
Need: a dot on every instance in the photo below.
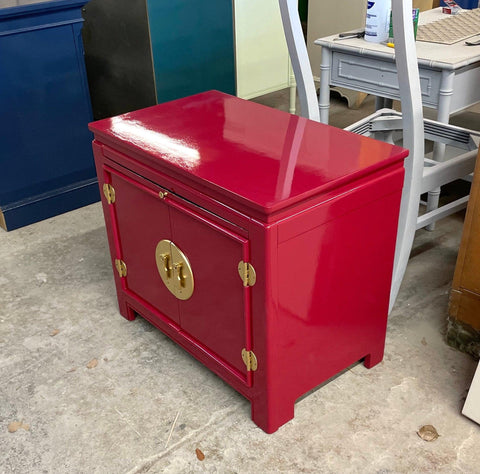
(140, 220)
(217, 314)
(465, 296)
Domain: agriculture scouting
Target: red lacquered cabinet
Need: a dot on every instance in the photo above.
(259, 241)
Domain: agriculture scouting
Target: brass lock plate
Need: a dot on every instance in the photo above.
(174, 269)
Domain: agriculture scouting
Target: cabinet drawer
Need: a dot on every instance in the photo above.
(379, 77)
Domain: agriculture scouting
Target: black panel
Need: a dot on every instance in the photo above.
(118, 56)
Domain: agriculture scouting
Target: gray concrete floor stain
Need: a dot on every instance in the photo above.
(148, 405)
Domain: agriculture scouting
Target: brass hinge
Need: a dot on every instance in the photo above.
(121, 267)
(250, 360)
(109, 192)
(247, 273)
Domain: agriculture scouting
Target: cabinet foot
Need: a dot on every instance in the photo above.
(126, 311)
(270, 414)
(373, 359)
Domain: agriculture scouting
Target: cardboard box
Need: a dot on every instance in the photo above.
(423, 5)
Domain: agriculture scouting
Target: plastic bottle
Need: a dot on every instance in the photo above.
(377, 21)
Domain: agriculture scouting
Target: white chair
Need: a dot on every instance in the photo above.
(421, 175)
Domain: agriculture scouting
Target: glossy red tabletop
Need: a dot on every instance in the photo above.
(262, 157)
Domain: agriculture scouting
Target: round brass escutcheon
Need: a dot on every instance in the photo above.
(174, 269)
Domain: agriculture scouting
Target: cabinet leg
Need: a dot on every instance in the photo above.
(373, 358)
(269, 413)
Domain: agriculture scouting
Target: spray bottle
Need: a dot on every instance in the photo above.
(377, 21)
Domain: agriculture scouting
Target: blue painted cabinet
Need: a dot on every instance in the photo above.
(46, 163)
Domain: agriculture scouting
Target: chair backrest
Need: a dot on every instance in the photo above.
(413, 136)
(410, 95)
(299, 58)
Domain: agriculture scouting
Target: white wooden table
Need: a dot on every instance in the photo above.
(449, 76)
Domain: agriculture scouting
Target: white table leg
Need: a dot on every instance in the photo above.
(379, 102)
(443, 115)
(292, 84)
(383, 103)
(293, 95)
(325, 71)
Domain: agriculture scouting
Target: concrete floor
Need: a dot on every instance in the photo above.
(147, 405)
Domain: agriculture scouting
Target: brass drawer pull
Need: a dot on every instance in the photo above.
(180, 275)
(167, 269)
